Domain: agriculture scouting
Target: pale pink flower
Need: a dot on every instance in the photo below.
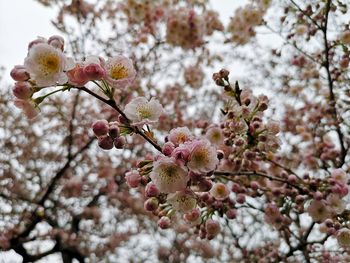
(272, 214)
(141, 111)
(47, 65)
(76, 76)
(339, 175)
(336, 204)
(343, 237)
(179, 135)
(183, 201)
(203, 157)
(220, 191)
(181, 153)
(120, 71)
(28, 108)
(168, 176)
(22, 90)
(133, 178)
(318, 211)
(212, 227)
(215, 135)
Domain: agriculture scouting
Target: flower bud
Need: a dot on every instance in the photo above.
(212, 228)
(57, 42)
(151, 190)
(119, 143)
(105, 142)
(114, 131)
(231, 213)
(224, 73)
(292, 179)
(133, 178)
(100, 128)
(94, 71)
(240, 198)
(19, 73)
(151, 204)
(164, 222)
(39, 40)
(22, 90)
(168, 148)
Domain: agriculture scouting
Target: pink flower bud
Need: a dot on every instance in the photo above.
(168, 148)
(105, 142)
(28, 108)
(292, 179)
(318, 196)
(114, 131)
(193, 215)
(231, 213)
(19, 73)
(151, 190)
(240, 198)
(164, 222)
(94, 71)
(100, 128)
(328, 222)
(299, 199)
(151, 204)
(39, 40)
(254, 185)
(22, 90)
(133, 178)
(212, 228)
(57, 42)
(119, 143)
(77, 77)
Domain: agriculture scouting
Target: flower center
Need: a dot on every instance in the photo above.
(181, 138)
(118, 72)
(144, 112)
(50, 63)
(200, 156)
(169, 173)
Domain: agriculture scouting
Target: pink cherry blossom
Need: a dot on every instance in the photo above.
(120, 72)
(46, 65)
(141, 111)
(168, 176)
(203, 157)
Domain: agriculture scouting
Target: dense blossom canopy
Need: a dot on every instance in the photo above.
(199, 160)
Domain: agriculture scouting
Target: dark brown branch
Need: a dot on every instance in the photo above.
(228, 176)
(326, 65)
(112, 104)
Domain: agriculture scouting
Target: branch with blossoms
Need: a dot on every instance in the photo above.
(191, 178)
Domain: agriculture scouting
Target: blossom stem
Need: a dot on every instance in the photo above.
(112, 104)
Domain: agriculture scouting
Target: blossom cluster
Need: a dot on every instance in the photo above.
(194, 176)
(187, 29)
(241, 26)
(46, 65)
